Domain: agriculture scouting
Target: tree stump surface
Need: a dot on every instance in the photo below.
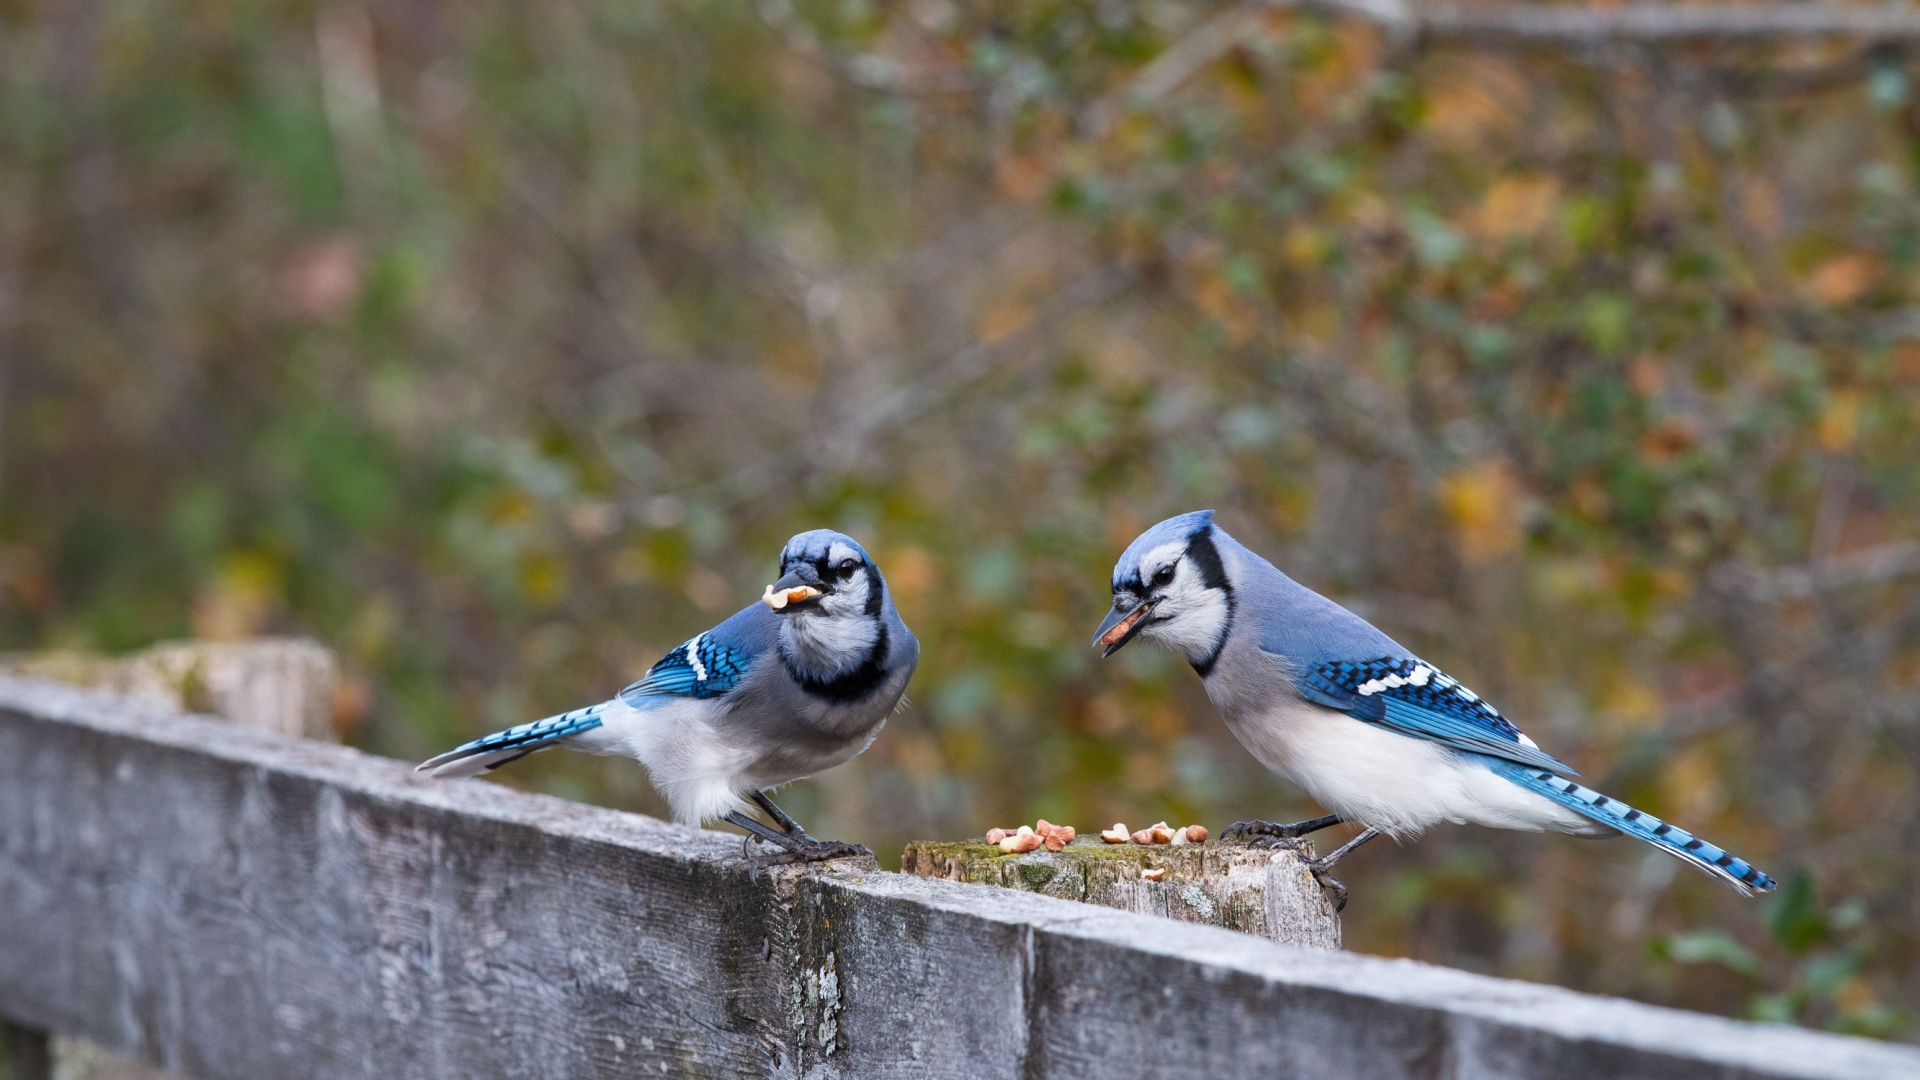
(1232, 885)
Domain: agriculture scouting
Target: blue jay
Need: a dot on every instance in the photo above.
(799, 682)
(1379, 736)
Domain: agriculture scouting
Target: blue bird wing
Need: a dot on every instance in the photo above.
(710, 665)
(698, 669)
(1412, 697)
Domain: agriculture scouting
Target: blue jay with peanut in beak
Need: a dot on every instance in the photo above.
(796, 683)
(1379, 736)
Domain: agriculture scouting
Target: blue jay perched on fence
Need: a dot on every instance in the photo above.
(797, 683)
(1376, 734)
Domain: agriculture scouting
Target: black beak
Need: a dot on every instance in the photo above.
(1119, 627)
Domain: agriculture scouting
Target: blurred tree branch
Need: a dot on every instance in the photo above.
(1867, 566)
(1176, 64)
(1642, 22)
(871, 70)
(853, 432)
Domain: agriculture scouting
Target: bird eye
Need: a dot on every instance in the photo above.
(1164, 575)
(847, 567)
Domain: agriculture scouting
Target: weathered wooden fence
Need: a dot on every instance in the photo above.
(238, 905)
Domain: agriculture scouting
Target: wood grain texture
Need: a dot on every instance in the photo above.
(237, 905)
(273, 684)
(225, 903)
(1233, 886)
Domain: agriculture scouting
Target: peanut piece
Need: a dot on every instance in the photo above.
(1154, 874)
(1115, 835)
(1020, 842)
(994, 836)
(1196, 834)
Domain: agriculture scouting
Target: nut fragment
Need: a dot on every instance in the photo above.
(1065, 833)
(994, 836)
(1054, 841)
(1179, 837)
(1144, 836)
(1154, 874)
(1115, 835)
(1161, 833)
(1024, 831)
(1020, 842)
(1196, 834)
(779, 600)
(1044, 827)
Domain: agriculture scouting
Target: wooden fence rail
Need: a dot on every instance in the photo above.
(238, 905)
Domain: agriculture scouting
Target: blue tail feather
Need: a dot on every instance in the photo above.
(492, 751)
(1581, 799)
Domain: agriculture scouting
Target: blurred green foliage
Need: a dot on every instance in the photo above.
(501, 346)
(1815, 959)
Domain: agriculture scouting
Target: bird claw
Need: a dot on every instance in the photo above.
(1266, 834)
(1328, 882)
(799, 847)
(1261, 833)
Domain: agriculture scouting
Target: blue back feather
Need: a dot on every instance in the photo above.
(1415, 698)
(711, 664)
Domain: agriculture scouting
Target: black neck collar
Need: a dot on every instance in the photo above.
(1213, 574)
(850, 686)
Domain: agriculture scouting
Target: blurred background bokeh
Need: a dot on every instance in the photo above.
(500, 346)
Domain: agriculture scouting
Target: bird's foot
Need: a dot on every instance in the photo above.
(794, 843)
(1319, 867)
(797, 846)
(1266, 833)
(1335, 889)
(1288, 837)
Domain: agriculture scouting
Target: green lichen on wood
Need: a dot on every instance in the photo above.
(1081, 871)
(1036, 875)
(1219, 884)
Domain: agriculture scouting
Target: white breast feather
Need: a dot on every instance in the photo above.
(826, 647)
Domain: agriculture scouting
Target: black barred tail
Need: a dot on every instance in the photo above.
(1737, 872)
(495, 750)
